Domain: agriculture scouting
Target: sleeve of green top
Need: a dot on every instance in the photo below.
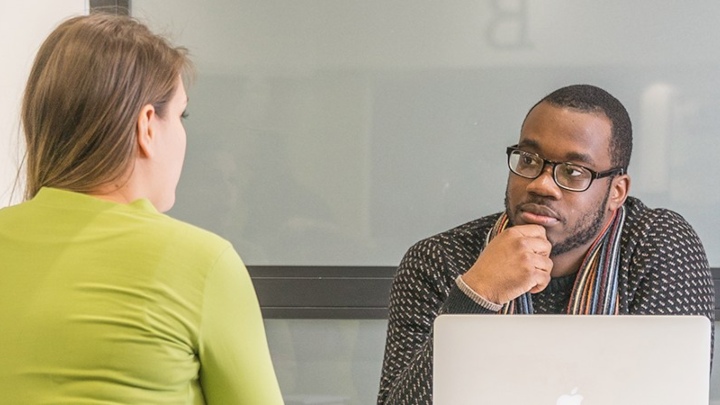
(235, 363)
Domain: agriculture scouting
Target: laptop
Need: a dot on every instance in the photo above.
(571, 360)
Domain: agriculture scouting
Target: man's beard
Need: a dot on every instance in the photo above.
(584, 231)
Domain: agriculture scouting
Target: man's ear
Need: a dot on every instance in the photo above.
(145, 134)
(619, 190)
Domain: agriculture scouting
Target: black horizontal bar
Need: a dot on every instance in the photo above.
(339, 292)
(354, 272)
(324, 313)
(333, 292)
(322, 292)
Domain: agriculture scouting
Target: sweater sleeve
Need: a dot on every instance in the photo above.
(422, 289)
(235, 363)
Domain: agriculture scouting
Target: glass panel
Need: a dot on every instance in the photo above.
(340, 132)
(327, 362)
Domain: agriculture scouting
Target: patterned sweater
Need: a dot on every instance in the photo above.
(663, 270)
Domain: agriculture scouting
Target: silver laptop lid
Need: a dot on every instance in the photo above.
(571, 360)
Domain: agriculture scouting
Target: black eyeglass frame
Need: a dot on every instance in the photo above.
(593, 174)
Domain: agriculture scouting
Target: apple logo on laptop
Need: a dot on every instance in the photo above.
(570, 399)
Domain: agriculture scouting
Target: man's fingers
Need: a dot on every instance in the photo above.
(544, 264)
(539, 246)
(542, 279)
(532, 237)
(531, 231)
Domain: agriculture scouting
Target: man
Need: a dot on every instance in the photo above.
(568, 218)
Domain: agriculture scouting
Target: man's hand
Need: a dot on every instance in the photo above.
(514, 262)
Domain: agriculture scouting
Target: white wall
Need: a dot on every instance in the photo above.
(23, 26)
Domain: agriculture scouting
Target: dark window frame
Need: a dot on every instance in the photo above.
(339, 292)
(121, 7)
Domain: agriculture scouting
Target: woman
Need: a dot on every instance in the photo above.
(103, 299)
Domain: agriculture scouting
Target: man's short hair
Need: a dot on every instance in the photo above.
(588, 98)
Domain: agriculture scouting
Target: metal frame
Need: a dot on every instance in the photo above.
(121, 7)
(326, 292)
(339, 292)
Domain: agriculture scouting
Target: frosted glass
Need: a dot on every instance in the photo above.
(339, 132)
(328, 362)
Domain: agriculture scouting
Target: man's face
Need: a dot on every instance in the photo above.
(572, 220)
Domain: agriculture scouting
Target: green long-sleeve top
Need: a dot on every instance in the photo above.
(106, 303)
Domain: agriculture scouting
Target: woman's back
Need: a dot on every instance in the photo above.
(118, 304)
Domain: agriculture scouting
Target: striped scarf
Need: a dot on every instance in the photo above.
(596, 284)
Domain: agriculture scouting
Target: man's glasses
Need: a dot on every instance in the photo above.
(567, 176)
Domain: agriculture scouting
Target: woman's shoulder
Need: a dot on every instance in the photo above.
(186, 234)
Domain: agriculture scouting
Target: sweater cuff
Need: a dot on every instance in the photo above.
(458, 302)
(477, 298)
